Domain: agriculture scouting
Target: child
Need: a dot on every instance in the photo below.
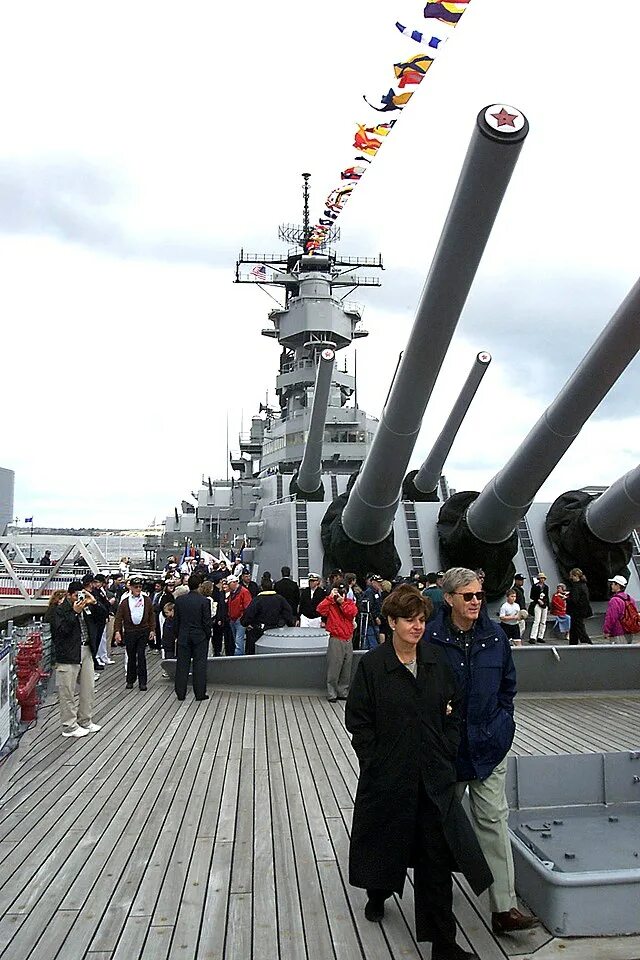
(168, 631)
(559, 611)
(510, 618)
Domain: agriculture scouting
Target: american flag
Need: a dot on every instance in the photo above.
(260, 272)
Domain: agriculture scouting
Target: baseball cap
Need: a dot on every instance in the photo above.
(232, 579)
(74, 586)
(618, 579)
(87, 579)
(519, 576)
(136, 581)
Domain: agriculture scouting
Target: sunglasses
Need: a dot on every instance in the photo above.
(469, 595)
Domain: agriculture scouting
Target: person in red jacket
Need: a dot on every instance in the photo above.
(238, 601)
(340, 613)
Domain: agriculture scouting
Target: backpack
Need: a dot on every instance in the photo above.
(630, 619)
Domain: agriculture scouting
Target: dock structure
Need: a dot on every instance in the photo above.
(220, 830)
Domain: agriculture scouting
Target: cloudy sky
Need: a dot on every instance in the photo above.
(145, 143)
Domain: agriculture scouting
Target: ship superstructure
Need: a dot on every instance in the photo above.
(315, 318)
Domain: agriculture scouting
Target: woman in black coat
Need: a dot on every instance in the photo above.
(404, 715)
(578, 607)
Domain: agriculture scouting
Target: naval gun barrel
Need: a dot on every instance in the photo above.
(505, 500)
(308, 481)
(595, 531)
(422, 484)
(491, 157)
(615, 514)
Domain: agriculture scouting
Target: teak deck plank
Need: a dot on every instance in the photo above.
(220, 830)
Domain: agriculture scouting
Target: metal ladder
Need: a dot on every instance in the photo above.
(635, 554)
(415, 547)
(302, 539)
(279, 487)
(528, 549)
(334, 486)
(445, 491)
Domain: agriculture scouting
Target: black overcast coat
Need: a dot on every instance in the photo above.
(401, 732)
(66, 633)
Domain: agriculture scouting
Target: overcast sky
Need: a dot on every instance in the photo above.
(144, 143)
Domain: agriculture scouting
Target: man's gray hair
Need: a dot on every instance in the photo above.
(457, 577)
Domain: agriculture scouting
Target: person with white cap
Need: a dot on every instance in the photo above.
(619, 620)
(539, 608)
(310, 597)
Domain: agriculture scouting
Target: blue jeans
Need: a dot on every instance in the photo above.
(238, 632)
(371, 639)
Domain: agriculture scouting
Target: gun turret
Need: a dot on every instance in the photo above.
(361, 537)
(479, 530)
(421, 485)
(595, 531)
(307, 483)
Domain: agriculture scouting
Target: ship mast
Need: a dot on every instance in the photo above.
(316, 316)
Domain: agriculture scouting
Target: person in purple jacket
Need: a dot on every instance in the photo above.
(613, 627)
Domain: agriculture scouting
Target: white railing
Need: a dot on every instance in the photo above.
(22, 583)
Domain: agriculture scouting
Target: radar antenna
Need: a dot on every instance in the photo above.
(294, 233)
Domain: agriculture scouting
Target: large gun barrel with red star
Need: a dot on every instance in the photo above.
(360, 537)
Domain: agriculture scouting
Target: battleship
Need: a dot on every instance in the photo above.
(220, 828)
(319, 484)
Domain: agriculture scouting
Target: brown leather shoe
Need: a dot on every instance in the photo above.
(512, 920)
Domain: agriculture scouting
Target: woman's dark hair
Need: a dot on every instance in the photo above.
(406, 602)
(266, 583)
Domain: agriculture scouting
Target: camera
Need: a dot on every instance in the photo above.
(80, 596)
(342, 591)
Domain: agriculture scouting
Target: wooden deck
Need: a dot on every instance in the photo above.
(220, 830)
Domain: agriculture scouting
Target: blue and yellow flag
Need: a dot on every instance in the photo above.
(447, 12)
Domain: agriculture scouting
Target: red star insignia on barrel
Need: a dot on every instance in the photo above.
(504, 118)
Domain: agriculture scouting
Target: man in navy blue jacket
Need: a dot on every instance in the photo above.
(192, 620)
(479, 653)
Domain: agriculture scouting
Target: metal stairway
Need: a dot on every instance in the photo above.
(302, 540)
(635, 555)
(334, 486)
(415, 547)
(528, 549)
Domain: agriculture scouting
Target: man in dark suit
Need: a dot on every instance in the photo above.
(310, 597)
(192, 631)
(288, 588)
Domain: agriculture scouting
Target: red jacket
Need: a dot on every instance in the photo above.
(238, 603)
(558, 605)
(339, 618)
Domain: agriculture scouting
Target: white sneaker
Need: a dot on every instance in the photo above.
(93, 728)
(108, 661)
(76, 732)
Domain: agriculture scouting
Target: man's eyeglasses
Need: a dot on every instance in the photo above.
(469, 595)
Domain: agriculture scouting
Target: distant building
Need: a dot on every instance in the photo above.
(7, 481)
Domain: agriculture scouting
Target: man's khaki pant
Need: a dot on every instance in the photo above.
(339, 657)
(489, 812)
(66, 677)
